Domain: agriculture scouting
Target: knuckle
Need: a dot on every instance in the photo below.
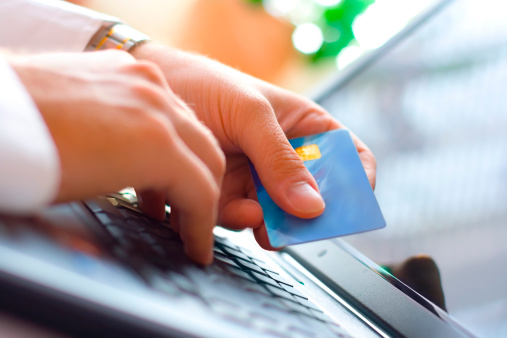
(258, 103)
(150, 71)
(156, 132)
(149, 95)
(243, 98)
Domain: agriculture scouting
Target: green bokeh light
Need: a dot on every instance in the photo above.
(335, 21)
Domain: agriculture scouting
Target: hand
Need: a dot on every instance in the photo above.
(252, 119)
(116, 123)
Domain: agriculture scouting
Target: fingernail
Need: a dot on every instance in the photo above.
(304, 198)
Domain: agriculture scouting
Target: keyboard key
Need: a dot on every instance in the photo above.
(257, 289)
(338, 331)
(272, 303)
(242, 274)
(265, 266)
(320, 316)
(307, 303)
(279, 278)
(318, 328)
(94, 207)
(225, 242)
(293, 291)
(147, 238)
(261, 319)
(115, 231)
(274, 332)
(246, 251)
(219, 251)
(299, 332)
(105, 218)
(250, 266)
(160, 231)
(228, 261)
(220, 255)
(295, 307)
(223, 306)
(165, 286)
(237, 254)
(127, 214)
(120, 253)
(230, 311)
(279, 292)
(159, 250)
(184, 283)
(264, 279)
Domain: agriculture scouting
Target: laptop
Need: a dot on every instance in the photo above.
(100, 267)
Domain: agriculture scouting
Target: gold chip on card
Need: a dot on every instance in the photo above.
(309, 152)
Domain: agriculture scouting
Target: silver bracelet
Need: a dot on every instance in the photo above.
(116, 36)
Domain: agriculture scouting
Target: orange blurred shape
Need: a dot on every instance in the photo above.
(239, 34)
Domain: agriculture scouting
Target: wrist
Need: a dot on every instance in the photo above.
(174, 63)
(116, 35)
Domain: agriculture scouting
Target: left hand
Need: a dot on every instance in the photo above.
(252, 120)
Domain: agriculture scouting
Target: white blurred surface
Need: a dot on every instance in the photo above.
(435, 115)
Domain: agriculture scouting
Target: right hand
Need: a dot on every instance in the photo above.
(116, 123)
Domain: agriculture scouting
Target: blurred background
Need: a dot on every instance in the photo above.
(292, 43)
(433, 111)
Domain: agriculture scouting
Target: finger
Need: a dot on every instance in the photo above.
(301, 117)
(196, 135)
(193, 192)
(261, 236)
(367, 159)
(192, 187)
(280, 169)
(152, 203)
(202, 143)
(241, 213)
(195, 219)
(238, 208)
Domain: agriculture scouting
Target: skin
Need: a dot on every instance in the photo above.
(180, 128)
(116, 123)
(251, 119)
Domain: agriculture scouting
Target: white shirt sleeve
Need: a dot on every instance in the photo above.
(29, 162)
(47, 25)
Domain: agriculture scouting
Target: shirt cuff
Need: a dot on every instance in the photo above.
(29, 165)
(36, 26)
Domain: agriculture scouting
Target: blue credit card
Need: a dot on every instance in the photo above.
(351, 206)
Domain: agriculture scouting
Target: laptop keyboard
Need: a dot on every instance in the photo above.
(238, 286)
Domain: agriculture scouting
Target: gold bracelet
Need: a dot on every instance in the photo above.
(116, 36)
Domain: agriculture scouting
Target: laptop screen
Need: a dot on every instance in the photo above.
(433, 111)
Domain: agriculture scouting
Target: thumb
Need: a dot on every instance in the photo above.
(281, 171)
